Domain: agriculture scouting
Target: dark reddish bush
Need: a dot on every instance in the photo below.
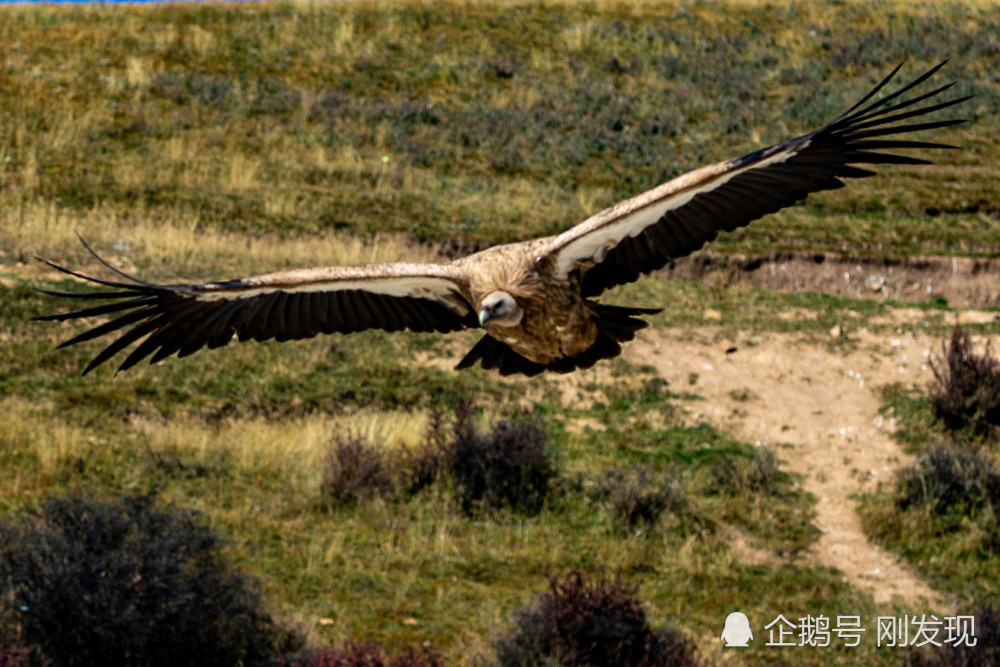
(354, 470)
(586, 623)
(508, 467)
(637, 499)
(15, 654)
(423, 465)
(14, 651)
(759, 472)
(966, 388)
(369, 654)
(122, 583)
(955, 483)
(985, 653)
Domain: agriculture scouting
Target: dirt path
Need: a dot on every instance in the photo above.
(818, 408)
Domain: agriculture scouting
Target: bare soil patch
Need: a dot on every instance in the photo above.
(818, 408)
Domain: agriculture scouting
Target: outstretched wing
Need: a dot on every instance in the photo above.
(182, 319)
(674, 219)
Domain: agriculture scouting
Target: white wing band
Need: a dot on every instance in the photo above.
(595, 245)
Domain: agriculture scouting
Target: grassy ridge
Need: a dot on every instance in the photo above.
(466, 122)
(199, 141)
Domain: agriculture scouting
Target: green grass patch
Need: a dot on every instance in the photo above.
(916, 425)
(446, 121)
(940, 512)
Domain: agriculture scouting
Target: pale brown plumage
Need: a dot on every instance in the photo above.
(533, 298)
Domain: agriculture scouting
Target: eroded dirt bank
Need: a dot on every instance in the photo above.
(963, 281)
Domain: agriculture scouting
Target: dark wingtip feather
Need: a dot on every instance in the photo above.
(92, 279)
(853, 114)
(87, 295)
(93, 311)
(107, 264)
(882, 84)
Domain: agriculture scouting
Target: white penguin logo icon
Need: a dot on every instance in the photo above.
(737, 631)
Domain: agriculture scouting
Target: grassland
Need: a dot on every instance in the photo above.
(475, 122)
(197, 141)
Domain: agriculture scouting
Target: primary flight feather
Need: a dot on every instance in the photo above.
(533, 298)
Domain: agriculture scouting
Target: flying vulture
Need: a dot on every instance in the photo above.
(535, 299)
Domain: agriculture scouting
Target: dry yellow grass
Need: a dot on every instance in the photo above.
(176, 248)
(18, 431)
(297, 447)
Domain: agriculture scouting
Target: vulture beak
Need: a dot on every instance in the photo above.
(484, 315)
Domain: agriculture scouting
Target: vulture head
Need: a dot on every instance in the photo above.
(501, 309)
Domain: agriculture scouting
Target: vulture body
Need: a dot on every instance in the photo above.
(535, 299)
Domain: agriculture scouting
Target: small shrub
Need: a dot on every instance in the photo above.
(985, 653)
(966, 389)
(743, 395)
(354, 470)
(369, 654)
(508, 467)
(424, 465)
(15, 654)
(122, 583)
(14, 650)
(952, 483)
(759, 473)
(581, 622)
(636, 500)
(502, 68)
